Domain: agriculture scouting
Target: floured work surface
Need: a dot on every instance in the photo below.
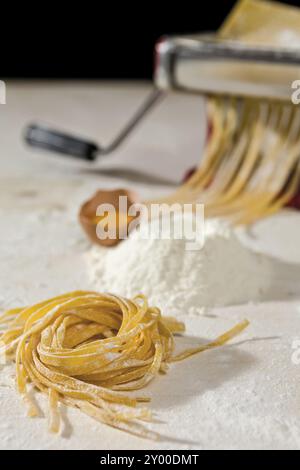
(244, 395)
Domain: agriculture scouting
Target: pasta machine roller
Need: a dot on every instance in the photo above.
(201, 64)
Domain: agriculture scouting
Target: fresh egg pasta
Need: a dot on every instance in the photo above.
(94, 352)
(251, 164)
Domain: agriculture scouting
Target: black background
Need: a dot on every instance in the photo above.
(97, 39)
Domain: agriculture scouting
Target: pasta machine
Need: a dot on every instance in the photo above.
(202, 64)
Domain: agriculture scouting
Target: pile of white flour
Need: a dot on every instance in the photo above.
(223, 272)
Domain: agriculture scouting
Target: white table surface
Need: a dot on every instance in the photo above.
(246, 395)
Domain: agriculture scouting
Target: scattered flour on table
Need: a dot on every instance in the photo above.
(223, 272)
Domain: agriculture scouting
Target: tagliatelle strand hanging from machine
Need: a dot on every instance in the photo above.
(87, 349)
(249, 170)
